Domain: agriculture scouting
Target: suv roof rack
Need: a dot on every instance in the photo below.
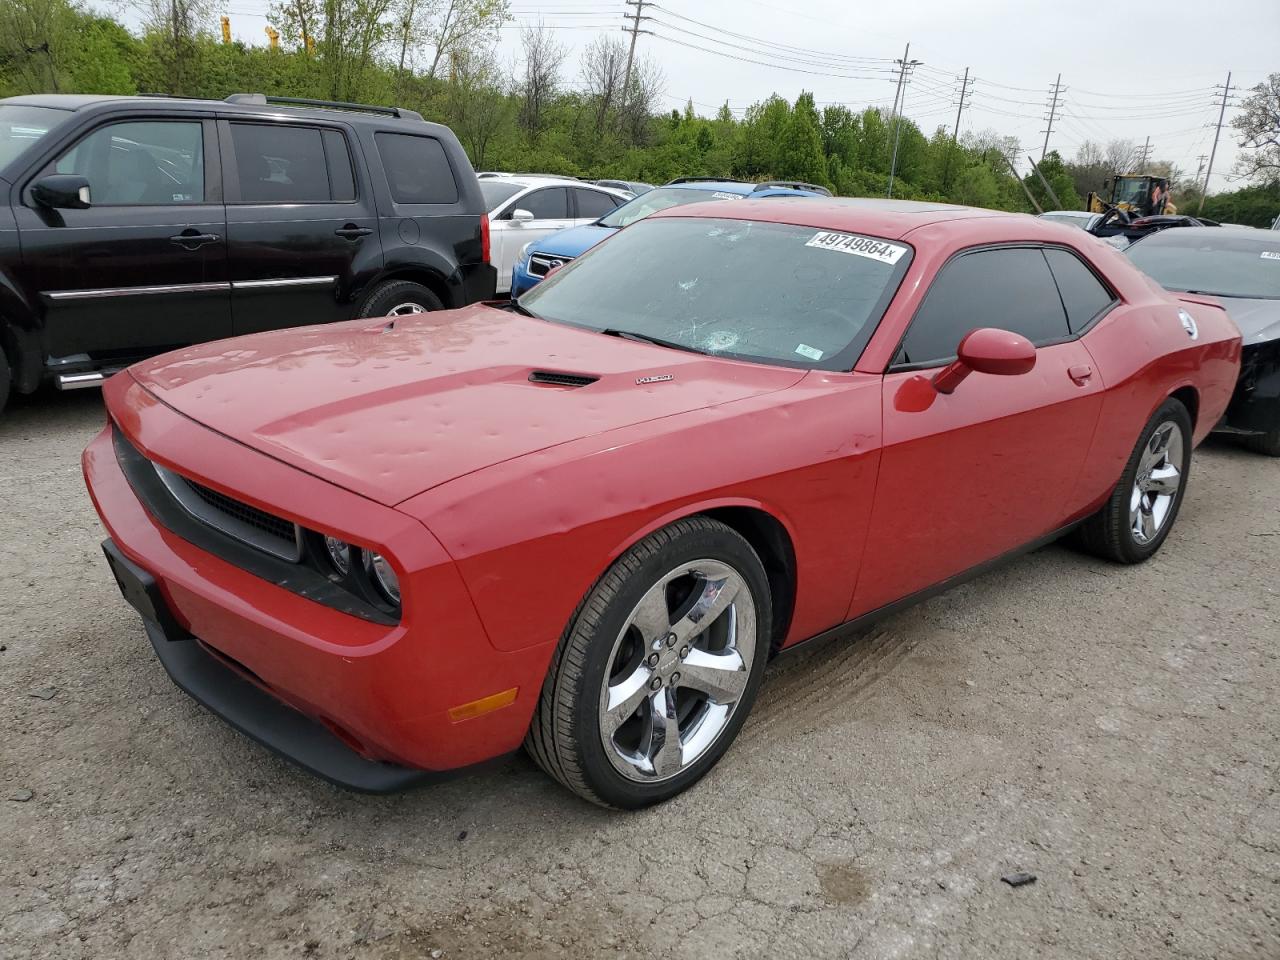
(705, 180)
(261, 99)
(793, 185)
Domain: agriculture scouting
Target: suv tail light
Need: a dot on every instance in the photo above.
(484, 237)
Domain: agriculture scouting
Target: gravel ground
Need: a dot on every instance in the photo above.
(1114, 731)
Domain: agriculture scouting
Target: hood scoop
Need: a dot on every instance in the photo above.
(556, 378)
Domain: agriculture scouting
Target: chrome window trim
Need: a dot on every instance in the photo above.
(233, 527)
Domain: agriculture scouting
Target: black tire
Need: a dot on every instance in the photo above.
(386, 297)
(1267, 444)
(565, 737)
(1109, 533)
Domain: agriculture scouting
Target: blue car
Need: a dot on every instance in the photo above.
(539, 257)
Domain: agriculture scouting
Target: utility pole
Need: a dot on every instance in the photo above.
(1226, 92)
(634, 30)
(904, 68)
(1200, 165)
(1047, 189)
(955, 133)
(1053, 111)
(1146, 155)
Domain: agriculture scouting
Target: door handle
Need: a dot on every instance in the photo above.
(192, 240)
(1081, 374)
(352, 232)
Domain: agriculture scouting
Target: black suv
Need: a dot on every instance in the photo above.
(132, 225)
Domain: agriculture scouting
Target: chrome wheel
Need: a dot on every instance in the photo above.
(1157, 483)
(677, 670)
(405, 309)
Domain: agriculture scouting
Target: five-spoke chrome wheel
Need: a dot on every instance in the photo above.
(1157, 482)
(677, 670)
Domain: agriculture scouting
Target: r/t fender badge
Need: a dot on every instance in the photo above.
(656, 378)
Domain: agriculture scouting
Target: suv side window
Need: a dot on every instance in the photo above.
(549, 204)
(276, 163)
(593, 203)
(1083, 294)
(337, 156)
(140, 162)
(417, 168)
(1009, 288)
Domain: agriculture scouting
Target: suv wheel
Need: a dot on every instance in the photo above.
(399, 298)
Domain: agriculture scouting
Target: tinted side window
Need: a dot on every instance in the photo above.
(1083, 294)
(549, 204)
(342, 183)
(140, 162)
(1010, 289)
(280, 164)
(593, 203)
(417, 169)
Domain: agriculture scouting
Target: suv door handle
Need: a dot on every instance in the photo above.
(352, 232)
(192, 240)
(1081, 374)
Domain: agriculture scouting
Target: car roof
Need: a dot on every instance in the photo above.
(882, 218)
(1195, 235)
(1068, 213)
(526, 182)
(76, 101)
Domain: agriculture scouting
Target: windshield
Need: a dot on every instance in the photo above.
(21, 126)
(651, 201)
(1131, 190)
(769, 292)
(497, 192)
(1211, 260)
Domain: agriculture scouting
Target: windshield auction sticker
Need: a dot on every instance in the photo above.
(867, 247)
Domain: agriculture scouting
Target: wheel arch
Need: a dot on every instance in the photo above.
(1189, 397)
(765, 530)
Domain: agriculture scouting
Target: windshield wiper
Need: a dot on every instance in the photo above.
(646, 338)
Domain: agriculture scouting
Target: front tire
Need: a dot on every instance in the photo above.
(1144, 505)
(399, 298)
(658, 668)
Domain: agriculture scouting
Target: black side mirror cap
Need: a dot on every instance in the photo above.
(62, 191)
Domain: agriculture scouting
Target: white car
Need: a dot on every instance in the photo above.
(523, 209)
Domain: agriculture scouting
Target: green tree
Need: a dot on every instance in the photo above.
(800, 155)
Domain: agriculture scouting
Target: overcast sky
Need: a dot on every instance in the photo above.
(1128, 70)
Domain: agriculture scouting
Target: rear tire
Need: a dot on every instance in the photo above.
(1267, 444)
(1142, 509)
(397, 298)
(618, 723)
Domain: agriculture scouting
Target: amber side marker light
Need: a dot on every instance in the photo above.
(478, 708)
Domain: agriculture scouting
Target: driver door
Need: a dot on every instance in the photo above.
(993, 466)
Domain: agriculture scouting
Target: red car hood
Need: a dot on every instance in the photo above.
(388, 410)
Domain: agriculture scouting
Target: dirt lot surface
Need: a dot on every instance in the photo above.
(1114, 731)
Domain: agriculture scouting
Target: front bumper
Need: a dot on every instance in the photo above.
(227, 691)
(389, 693)
(522, 281)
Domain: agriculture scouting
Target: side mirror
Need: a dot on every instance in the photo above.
(987, 350)
(62, 191)
(520, 215)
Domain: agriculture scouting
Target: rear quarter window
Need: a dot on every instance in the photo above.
(1083, 294)
(418, 169)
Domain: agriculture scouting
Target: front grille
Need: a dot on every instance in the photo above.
(274, 526)
(540, 264)
(257, 528)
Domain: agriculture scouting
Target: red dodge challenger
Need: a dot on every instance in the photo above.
(583, 522)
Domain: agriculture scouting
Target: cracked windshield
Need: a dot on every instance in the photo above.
(769, 292)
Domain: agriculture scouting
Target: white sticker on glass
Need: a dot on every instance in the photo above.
(719, 195)
(812, 353)
(868, 247)
(1271, 254)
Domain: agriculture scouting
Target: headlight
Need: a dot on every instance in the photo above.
(383, 576)
(527, 249)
